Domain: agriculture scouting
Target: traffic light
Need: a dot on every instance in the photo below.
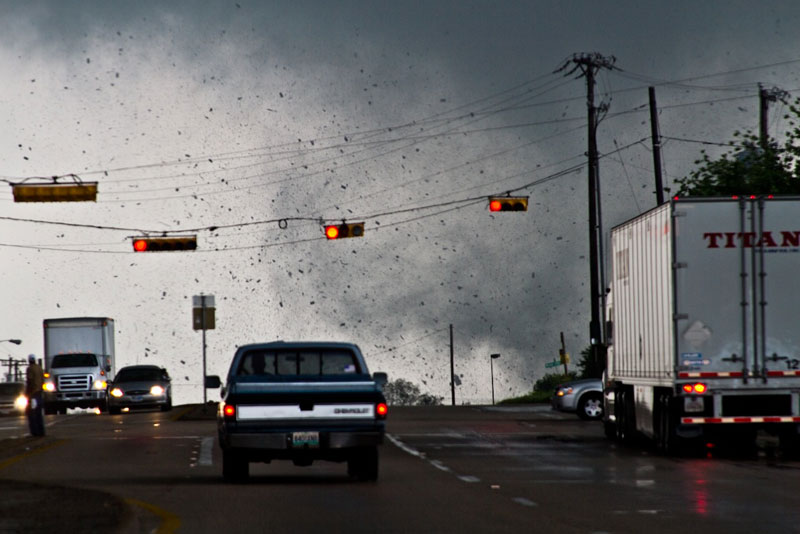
(55, 192)
(164, 244)
(338, 231)
(508, 203)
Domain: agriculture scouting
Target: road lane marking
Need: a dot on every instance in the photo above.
(404, 447)
(439, 465)
(206, 446)
(32, 452)
(169, 521)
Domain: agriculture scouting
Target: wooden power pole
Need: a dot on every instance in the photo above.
(588, 65)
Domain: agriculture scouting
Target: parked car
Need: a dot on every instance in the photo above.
(140, 386)
(583, 397)
(12, 398)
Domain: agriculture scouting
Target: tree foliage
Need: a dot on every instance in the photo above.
(750, 168)
(402, 392)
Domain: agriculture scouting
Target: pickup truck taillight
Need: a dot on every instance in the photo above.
(229, 411)
(381, 410)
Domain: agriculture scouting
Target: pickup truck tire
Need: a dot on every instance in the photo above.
(114, 411)
(234, 468)
(363, 464)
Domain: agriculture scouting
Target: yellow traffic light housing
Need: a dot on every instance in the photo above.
(55, 192)
(338, 231)
(164, 244)
(508, 204)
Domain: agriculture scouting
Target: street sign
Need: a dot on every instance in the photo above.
(203, 319)
(554, 363)
(203, 312)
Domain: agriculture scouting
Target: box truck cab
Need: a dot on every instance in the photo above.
(79, 362)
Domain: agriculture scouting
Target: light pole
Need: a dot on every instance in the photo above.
(492, 358)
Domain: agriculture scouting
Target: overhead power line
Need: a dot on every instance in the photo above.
(438, 209)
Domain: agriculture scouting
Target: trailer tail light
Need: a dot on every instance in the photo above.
(695, 389)
(229, 411)
(381, 410)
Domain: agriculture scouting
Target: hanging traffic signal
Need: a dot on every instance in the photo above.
(508, 203)
(55, 192)
(164, 244)
(338, 231)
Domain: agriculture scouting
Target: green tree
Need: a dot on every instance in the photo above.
(750, 168)
(592, 367)
(402, 392)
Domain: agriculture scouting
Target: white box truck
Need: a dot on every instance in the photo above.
(704, 323)
(78, 362)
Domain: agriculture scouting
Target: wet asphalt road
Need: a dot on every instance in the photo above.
(443, 469)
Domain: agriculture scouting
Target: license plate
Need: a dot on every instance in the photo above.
(305, 440)
(693, 404)
(136, 398)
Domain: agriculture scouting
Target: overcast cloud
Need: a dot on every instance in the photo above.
(216, 117)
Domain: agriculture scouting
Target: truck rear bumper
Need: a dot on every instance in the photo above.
(282, 441)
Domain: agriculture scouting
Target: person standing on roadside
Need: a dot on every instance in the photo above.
(34, 379)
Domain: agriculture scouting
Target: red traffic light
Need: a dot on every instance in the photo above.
(332, 232)
(164, 244)
(508, 204)
(337, 231)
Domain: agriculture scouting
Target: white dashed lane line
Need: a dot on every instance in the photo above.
(440, 466)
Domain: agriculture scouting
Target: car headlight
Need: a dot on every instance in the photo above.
(563, 391)
(49, 386)
(156, 390)
(116, 392)
(21, 402)
(100, 384)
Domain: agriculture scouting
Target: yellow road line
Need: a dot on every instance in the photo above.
(177, 414)
(26, 454)
(169, 521)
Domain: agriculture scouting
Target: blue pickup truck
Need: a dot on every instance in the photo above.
(300, 401)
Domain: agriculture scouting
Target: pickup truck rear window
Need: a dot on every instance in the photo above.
(302, 362)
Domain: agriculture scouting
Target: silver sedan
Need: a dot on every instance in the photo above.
(583, 397)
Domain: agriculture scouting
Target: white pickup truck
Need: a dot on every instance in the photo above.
(300, 401)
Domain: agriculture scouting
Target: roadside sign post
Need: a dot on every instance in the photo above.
(563, 356)
(203, 311)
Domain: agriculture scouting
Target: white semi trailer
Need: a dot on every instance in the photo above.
(704, 312)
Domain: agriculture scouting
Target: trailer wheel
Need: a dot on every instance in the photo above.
(666, 440)
(610, 430)
(626, 419)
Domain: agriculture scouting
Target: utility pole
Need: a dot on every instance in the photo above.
(656, 136)
(765, 96)
(589, 65)
(452, 370)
